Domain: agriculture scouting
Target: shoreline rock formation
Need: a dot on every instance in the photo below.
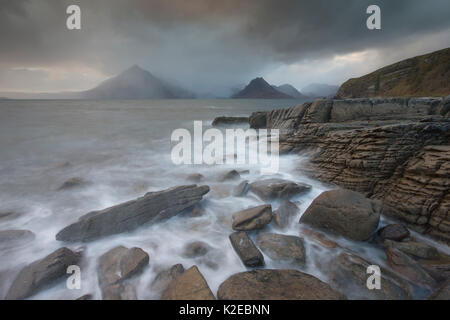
(396, 150)
(152, 207)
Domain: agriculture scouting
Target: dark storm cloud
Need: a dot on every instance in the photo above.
(205, 43)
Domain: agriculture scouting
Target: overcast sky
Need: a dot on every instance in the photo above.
(210, 46)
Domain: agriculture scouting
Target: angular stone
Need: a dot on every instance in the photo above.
(241, 189)
(153, 207)
(252, 218)
(246, 250)
(269, 284)
(164, 277)
(117, 265)
(348, 273)
(189, 286)
(269, 189)
(285, 214)
(230, 175)
(282, 248)
(344, 212)
(42, 273)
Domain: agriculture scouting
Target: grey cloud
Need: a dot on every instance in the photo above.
(205, 44)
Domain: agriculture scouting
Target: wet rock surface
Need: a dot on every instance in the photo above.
(415, 249)
(282, 248)
(9, 238)
(270, 284)
(164, 277)
(246, 249)
(42, 273)
(116, 266)
(153, 207)
(269, 189)
(396, 150)
(285, 214)
(252, 218)
(348, 274)
(394, 232)
(229, 121)
(344, 212)
(191, 285)
(241, 189)
(196, 249)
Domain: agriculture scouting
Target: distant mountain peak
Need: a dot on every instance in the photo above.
(258, 88)
(136, 83)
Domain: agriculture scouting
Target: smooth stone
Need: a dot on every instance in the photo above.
(273, 284)
(195, 177)
(164, 277)
(284, 215)
(196, 249)
(230, 175)
(395, 232)
(15, 237)
(270, 189)
(282, 248)
(241, 189)
(344, 212)
(416, 249)
(252, 218)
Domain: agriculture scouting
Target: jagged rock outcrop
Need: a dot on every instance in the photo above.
(396, 150)
(152, 207)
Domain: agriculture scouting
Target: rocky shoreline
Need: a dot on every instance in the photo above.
(396, 150)
(388, 156)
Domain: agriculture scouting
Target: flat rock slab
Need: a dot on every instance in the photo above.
(347, 213)
(152, 207)
(282, 248)
(246, 249)
(252, 218)
(42, 273)
(415, 249)
(117, 265)
(189, 286)
(348, 273)
(273, 284)
(409, 268)
(270, 189)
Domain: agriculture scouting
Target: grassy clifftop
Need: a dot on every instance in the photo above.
(427, 75)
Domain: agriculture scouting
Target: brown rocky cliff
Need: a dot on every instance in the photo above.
(396, 150)
(426, 75)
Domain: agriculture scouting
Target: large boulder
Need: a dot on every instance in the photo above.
(269, 189)
(344, 212)
(269, 284)
(152, 207)
(348, 273)
(282, 248)
(246, 249)
(116, 266)
(42, 273)
(252, 218)
(188, 286)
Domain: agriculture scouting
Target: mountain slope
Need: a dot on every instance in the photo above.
(320, 90)
(290, 91)
(135, 83)
(258, 88)
(427, 75)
